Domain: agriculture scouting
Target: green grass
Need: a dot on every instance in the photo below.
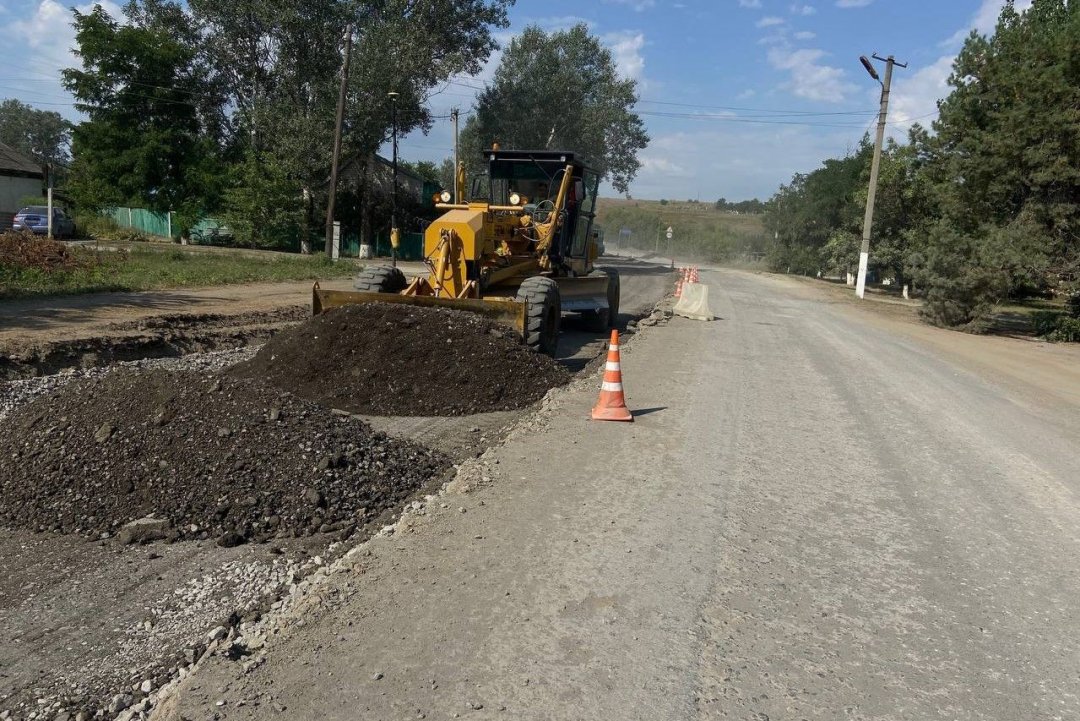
(152, 269)
(701, 232)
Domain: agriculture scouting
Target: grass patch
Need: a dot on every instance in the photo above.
(31, 269)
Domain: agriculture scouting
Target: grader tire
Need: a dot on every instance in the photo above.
(607, 318)
(380, 279)
(544, 313)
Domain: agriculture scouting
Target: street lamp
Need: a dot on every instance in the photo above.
(395, 238)
(868, 219)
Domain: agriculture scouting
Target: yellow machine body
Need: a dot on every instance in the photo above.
(478, 254)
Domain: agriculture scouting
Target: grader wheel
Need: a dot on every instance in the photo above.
(380, 279)
(543, 314)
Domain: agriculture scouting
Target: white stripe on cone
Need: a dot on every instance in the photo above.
(607, 386)
(613, 366)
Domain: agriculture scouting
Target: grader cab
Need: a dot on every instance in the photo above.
(520, 251)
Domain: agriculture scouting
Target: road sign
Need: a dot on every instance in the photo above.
(670, 233)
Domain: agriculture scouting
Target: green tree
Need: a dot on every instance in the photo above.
(561, 91)
(149, 137)
(1005, 167)
(43, 135)
(282, 59)
(804, 215)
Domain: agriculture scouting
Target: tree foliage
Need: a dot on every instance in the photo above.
(230, 106)
(42, 135)
(561, 91)
(153, 116)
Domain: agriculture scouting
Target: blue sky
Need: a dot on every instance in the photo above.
(737, 94)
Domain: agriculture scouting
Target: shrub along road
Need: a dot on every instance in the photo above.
(815, 515)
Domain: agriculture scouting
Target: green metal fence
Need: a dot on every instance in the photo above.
(144, 221)
(212, 231)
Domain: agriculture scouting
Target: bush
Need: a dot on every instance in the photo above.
(1056, 326)
(1068, 330)
(961, 290)
(101, 227)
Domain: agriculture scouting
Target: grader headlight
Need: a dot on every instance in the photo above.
(445, 196)
(515, 199)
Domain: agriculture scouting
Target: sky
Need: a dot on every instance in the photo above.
(736, 95)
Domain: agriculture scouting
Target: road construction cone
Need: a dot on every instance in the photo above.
(694, 275)
(612, 405)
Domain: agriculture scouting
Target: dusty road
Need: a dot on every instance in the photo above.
(815, 515)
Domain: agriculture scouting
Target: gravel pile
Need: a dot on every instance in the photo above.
(16, 393)
(399, 360)
(207, 456)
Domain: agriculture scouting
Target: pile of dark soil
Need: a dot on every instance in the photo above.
(216, 457)
(400, 360)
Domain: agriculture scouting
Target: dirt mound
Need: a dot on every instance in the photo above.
(399, 360)
(216, 457)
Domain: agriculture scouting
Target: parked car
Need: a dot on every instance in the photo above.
(35, 218)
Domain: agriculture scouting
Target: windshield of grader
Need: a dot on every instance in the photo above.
(538, 182)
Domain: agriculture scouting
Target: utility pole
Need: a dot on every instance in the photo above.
(337, 142)
(868, 219)
(454, 115)
(395, 237)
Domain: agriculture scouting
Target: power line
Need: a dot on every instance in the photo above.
(779, 112)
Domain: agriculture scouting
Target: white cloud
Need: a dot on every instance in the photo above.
(637, 5)
(804, 10)
(853, 3)
(769, 21)
(805, 35)
(626, 46)
(809, 78)
(749, 3)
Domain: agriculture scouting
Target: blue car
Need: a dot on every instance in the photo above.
(35, 218)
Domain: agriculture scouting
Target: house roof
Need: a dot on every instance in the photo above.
(13, 162)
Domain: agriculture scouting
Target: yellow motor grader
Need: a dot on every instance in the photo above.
(519, 251)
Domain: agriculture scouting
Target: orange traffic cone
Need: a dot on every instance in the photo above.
(612, 405)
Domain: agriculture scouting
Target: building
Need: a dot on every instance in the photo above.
(20, 177)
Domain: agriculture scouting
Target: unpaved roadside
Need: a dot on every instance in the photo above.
(139, 614)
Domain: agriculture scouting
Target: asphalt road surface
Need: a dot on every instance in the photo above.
(812, 517)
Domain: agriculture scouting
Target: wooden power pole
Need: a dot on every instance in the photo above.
(337, 142)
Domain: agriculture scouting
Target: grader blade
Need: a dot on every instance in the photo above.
(504, 311)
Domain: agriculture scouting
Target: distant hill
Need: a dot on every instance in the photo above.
(701, 231)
